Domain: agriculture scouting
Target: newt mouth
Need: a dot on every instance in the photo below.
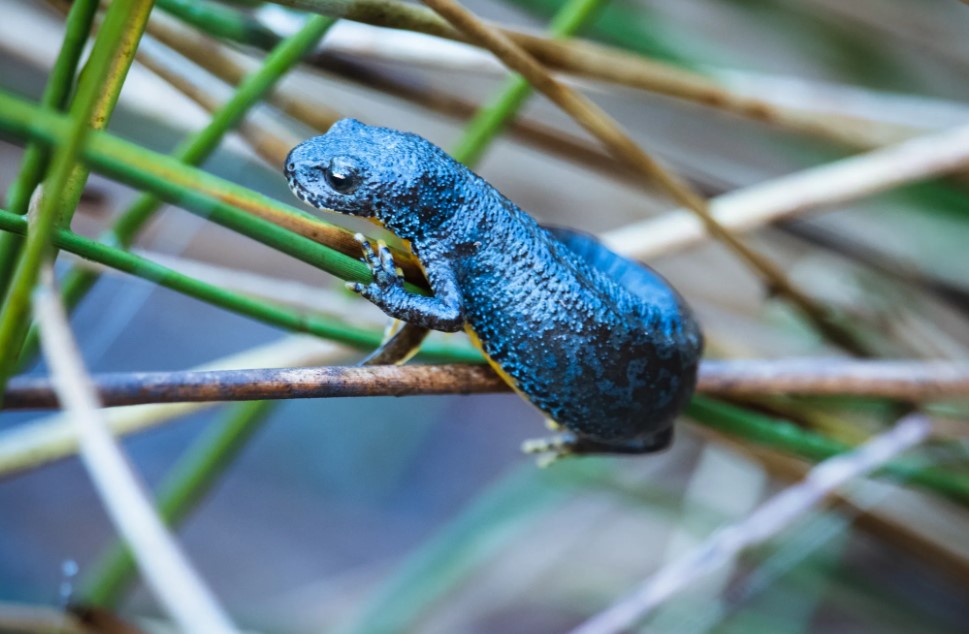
(315, 201)
(302, 194)
(309, 198)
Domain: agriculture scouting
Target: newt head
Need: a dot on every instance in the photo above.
(396, 178)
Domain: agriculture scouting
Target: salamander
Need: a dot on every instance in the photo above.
(601, 344)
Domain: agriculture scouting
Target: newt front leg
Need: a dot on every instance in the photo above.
(441, 312)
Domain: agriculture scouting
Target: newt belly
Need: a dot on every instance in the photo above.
(507, 378)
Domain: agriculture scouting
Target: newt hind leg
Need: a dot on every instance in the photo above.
(568, 444)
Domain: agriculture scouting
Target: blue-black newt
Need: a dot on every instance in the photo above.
(600, 343)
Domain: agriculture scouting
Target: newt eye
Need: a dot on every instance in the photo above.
(342, 176)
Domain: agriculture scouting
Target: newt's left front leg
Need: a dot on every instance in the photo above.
(441, 312)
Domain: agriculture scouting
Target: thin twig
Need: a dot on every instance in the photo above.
(335, 304)
(165, 568)
(242, 385)
(225, 64)
(269, 140)
(583, 58)
(823, 186)
(231, 67)
(900, 380)
(53, 438)
(764, 523)
(743, 210)
(597, 122)
(899, 520)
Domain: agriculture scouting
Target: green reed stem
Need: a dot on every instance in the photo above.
(97, 93)
(292, 320)
(221, 21)
(252, 89)
(193, 151)
(192, 189)
(57, 92)
(782, 435)
(110, 60)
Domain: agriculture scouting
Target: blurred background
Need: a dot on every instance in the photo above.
(420, 514)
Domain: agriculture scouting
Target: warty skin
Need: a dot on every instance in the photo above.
(601, 344)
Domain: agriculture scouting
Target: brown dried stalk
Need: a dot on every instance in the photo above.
(604, 63)
(218, 60)
(614, 138)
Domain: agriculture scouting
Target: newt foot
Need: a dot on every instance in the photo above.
(387, 278)
(566, 444)
(550, 449)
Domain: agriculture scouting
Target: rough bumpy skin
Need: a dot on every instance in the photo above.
(598, 342)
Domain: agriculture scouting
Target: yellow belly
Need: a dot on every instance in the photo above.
(497, 368)
(550, 423)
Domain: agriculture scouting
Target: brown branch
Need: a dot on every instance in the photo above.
(901, 380)
(284, 383)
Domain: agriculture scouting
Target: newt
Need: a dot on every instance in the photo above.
(601, 344)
